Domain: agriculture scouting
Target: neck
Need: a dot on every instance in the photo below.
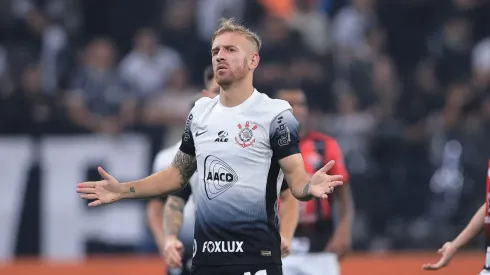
(236, 94)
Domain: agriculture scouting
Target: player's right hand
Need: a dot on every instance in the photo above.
(173, 251)
(103, 191)
(447, 251)
(322, 184)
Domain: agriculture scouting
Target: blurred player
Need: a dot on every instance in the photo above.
(242, 144)
(318, 244)
(480, 221)
(155, 206)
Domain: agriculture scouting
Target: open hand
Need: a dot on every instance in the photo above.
(322, 183)
(103, 191)
(447, 252)
(172, 252)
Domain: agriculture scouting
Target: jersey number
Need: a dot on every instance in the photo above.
(260, 272)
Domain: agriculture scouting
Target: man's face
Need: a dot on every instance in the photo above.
(297, 100)
(146, 42)
(212, 89)
(233, 57)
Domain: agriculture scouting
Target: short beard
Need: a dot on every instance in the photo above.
(236, 76)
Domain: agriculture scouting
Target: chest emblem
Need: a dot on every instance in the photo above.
(245, 136)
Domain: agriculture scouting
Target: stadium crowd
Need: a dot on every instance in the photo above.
(404, 86)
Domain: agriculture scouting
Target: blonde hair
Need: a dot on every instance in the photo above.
(231, 25)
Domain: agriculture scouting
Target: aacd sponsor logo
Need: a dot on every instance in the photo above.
(218, 176)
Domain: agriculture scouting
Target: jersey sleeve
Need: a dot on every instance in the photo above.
(335, 153)
(185, 193)
(187, 145)
(284, 136)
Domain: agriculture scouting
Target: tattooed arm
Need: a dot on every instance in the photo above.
(173, 216)
(164, 182)
(171, 179)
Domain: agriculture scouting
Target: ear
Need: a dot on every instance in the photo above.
(205, 93)
(254, 61)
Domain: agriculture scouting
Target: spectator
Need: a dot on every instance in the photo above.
(454, 59)
(351, 22)
(171, 107)
(149, 66)
(310, 22)
(481, 64)
(29, 109)
(98, 100)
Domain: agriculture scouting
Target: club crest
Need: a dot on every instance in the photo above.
(245, 136)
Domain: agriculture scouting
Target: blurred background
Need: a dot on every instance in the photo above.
(404, 85)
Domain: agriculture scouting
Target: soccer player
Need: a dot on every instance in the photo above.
(242, 144)
(318, 244)
(155, 206)
(480, 221)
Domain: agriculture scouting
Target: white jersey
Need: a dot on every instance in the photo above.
(162, 161)
(239, 179)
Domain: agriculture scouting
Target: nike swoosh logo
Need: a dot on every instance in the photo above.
(198, 134)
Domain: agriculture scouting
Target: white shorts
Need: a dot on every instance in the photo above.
(311, 264)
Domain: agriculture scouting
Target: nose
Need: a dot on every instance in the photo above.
(219, 58)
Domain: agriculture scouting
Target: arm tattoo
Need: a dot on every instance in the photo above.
(173, 215)
(132, 190)
(306, 193)
(186, 164)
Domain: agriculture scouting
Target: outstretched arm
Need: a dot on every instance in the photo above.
(171, 179)
(161, 183)
(474, 227)
(296, 176)
(284, 140)
(449, 249)
(164, 182)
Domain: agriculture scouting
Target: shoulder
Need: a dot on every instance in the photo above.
(274, 106)
(204, 101)
(200, 106)
(273, 110)
(164, 158)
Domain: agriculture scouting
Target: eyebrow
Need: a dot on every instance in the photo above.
(224, 46)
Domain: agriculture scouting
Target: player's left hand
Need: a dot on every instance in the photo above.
(285, 247)
(322, 184)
